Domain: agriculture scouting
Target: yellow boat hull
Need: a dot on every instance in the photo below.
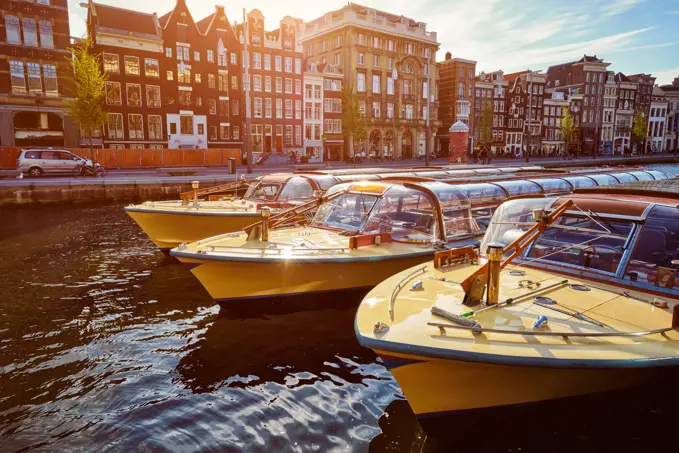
(436, 387)
(229, 280)
(169, 229)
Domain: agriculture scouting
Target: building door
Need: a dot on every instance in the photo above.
(407, 145)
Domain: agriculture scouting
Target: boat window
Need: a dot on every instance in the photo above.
(348, 211)
(296, 189)
(324, 182)
(655, 259)
(511, 219)
(580, 181)
(482, 217)
(553, 185)
(586, 242)
(642, 176)
(407, 214)
(658, 175)
(519, 187)
(263, 190)
(604, 180)
(338, 188)
(624, 177)
(482, 193)
(457, 217)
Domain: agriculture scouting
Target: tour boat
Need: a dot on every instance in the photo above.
(580, 297)
(391, 223)
(170, 223)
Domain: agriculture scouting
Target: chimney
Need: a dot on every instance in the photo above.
(449, 55)
(219, 10)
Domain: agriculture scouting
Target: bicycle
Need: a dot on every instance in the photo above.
(82, 169)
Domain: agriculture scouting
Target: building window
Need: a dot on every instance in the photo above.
(267, 84)
(390, 110)
(30, 32)
(298, 110)
(115, 126)
(223, 82)
(410, 49)
(212, 106)
(460, 90)
(131, 65)
(298, 66)
(279, 62)
(151, 68)
(183, 53)
(361, 58)
(470, 89)
(327, 105)
(376, 109)
(236, 132)
(185, 75)
(267, 108)
(298, 86)
(279, 85)
(168, 52)
(288, 136)
(256, 60)
(409, 112)
(376, 84)
(224, 107)
(257, 83)
(211, 83)
(234, 108)
(34, 78)
(196, 77)
(46, 36)
(196, 56)
(50, 74)
(221, 59)
(407, 87)
(155, 127)
(258, 108)
(234, 58)
(298, 135)
(376, 61)
(279, 108)
(210, 56)
(186, 124)
(360, 84)
(12, 30)
(133, 94)
(288, 64)
(288, 108)
(152, 96)
(267, 62)
(136, 126)
(113, 94)
(234, 82)
(288, 86)
(185, 98)
(425, 90)
(338, 59)
(337, 103)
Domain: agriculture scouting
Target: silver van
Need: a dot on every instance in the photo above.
(36, 162)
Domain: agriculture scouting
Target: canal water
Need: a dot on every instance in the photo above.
(107, 345)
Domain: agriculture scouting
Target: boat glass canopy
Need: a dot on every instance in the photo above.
(553, 185)
(625, 177)
(264, 190)
(296, 188)
(348, 211)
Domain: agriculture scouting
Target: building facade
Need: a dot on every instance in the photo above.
(657, 121)
(274, 61)
(553, 108)
(494, 85)
(390, 63)
(624, 113)
(172, 82)
(323, 138)
(608, 118)
(672, 136)
(34, 77)
(585, 77)
(457, 96)
(524, 101)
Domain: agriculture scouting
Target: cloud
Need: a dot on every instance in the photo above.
(666, 76)
(615, 7)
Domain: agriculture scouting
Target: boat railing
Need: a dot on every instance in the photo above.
(541, 333)
(295, 250)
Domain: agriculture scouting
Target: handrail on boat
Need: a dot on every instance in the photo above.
(564, 335)
(398, 288)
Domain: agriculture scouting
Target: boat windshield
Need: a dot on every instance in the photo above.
(511, 219)
(349, 211)
(264, 190)
(407, 214)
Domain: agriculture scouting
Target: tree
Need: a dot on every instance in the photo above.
(639, 128)
(486, 124)
(353, 123)
(567, 127)
(89, 90)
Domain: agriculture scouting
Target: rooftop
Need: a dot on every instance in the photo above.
(124, 21)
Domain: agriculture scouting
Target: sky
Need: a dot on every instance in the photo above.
(513, 35)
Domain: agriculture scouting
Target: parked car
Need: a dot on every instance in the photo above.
(37, 162)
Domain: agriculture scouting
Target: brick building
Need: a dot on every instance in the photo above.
(672, 93)
(390, 62)
(456, 96)
(275, 71)
(523, 106)
(172, 82)
(131, 46)
(608, 118)
(585, 77)
(624, 112)
(552, 140)
(323, 139)
(492, 87)
(34, 76)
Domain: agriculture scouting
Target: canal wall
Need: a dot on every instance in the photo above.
(136, 189)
